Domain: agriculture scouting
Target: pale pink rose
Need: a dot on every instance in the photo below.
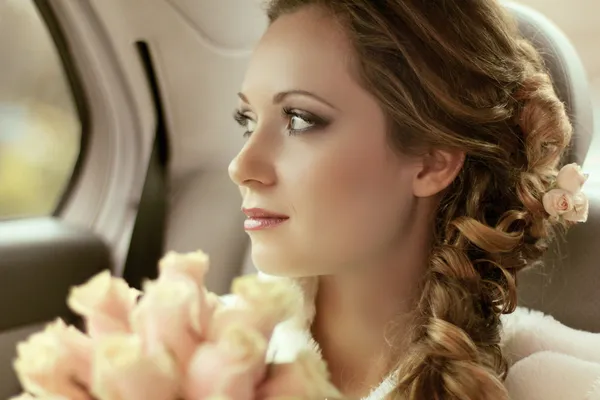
(261, 304)
(170, 315)
(558, 202)
(123, 371)
(571, 178)
(105, 303)
(56, 361)
(232, 367)
(191, 266)
(305, 378)
(580, 210)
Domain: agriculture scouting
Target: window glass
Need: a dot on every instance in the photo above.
(40, 129)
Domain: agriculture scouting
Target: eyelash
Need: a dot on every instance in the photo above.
(315, 121)
(242, 120)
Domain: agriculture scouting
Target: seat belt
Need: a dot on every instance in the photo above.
(147, 239)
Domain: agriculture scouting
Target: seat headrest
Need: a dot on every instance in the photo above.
(567, 72)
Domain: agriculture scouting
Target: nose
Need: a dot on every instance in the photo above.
(254, 164)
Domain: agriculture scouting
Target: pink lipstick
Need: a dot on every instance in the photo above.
(259, 219)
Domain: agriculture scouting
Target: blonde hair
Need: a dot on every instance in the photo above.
(458, 75)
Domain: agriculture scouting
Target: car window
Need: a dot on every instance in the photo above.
(40, 130)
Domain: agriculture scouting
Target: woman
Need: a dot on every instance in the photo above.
(397, 157)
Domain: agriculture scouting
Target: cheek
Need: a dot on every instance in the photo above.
(349, 199)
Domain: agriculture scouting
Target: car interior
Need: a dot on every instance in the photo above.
(147, 87)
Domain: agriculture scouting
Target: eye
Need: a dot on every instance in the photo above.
(298, 123)
(302, 121)
(245, 121)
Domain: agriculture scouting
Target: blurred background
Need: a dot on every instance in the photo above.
(39, 125)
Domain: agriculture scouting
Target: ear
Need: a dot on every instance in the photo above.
(439, 169)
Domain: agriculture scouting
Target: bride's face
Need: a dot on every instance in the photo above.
(330, 191)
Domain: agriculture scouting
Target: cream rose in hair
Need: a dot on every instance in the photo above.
(571, 178)
(580, 210)
(567, 201)
(558, 202)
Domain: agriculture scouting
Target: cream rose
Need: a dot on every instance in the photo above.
(190, 265)
(123, 371)
(232, 367)
(56, 361)
(262, 305)
(171, 314)
(558, 202)
(105, 303)
(277, 298)
(571, 178)
(580, 209)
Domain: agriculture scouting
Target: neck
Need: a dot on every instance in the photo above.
(363, 318)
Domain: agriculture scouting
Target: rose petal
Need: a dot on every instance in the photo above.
(279, 297)
(171, 314)
(231, 367)
(122, 371)
(190, 265)
(571, 178)
(55, 361)
(580, 210)
(557, 202)
(105, 303)
(261, 305)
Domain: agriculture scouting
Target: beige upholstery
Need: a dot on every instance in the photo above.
(206, 213)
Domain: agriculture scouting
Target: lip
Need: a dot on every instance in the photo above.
(259, 219)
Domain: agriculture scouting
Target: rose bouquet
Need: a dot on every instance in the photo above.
(174, 340)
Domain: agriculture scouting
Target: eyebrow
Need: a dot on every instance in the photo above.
(279, 97)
